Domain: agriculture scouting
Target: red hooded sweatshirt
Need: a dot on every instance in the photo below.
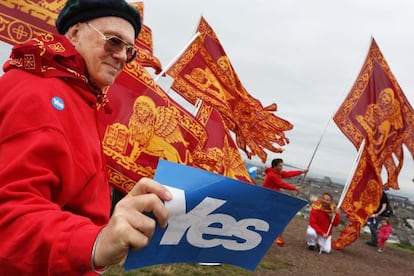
(320, 218)
(54, 194)
(274, 181)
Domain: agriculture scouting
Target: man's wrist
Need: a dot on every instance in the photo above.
(94, 268)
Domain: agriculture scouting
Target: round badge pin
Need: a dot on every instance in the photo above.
(58, 103)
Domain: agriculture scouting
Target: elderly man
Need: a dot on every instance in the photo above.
(54, 194)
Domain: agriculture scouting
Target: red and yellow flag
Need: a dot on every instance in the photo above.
(376, 110)
(360, 201)
(221, 151)
(204, 72)
(147, 125)
(145, 53)
(21, 20)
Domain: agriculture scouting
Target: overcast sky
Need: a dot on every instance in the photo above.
(302, 55)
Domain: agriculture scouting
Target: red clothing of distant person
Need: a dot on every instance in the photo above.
(383, 234)
(273, 180)
(320, 218)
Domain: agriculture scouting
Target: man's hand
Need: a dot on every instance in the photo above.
(128, 226)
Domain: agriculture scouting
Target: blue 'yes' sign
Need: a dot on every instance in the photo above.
(215, 219)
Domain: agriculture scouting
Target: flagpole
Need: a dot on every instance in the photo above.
(348, 182)
(180, 53)
(320, 139)
(315, 150)
(361, 148)
(197, 106)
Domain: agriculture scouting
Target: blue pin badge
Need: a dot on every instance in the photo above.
(58, 103)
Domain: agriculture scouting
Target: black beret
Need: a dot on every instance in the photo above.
(76, 11)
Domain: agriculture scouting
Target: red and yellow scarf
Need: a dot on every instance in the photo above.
(317, 205)
(52, 55)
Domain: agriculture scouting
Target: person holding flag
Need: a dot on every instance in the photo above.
(274, 180)
(323, 217)
(275, 174)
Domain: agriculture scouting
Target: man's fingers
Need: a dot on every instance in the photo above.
(150, 203)
(129, 226)
(143, 224)
(147, 185)
(131, 207)
(138, 237)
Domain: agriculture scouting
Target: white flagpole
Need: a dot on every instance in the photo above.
(348, 182)
(346, 187)
(197, 106)
(180, 53)
(315, 150)
(323, 133)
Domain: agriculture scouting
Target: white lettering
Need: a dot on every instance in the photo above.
(207, 230)
(178, 224)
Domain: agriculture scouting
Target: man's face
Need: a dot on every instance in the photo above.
(279, 167)
(102, 64)
(326, 201)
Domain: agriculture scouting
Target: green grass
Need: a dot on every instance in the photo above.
(273, 266)
(180, 269)
(405, 247)
(196, 269)
(266, 265)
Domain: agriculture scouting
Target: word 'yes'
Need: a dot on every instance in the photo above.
(199, 221)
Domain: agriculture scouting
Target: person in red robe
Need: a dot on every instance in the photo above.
(54, 190)
(323, 214)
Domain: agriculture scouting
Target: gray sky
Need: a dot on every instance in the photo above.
(304, 55)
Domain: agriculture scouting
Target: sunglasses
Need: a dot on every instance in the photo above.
(115, 44)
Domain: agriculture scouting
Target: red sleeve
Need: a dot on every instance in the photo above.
(313, 222)
(289, 174)
(41, 238)
(337, 220)
(284, 185)
(274, 182)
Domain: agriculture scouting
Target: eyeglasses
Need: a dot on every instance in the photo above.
(115, 44)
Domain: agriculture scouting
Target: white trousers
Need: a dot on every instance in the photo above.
(314, 238)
